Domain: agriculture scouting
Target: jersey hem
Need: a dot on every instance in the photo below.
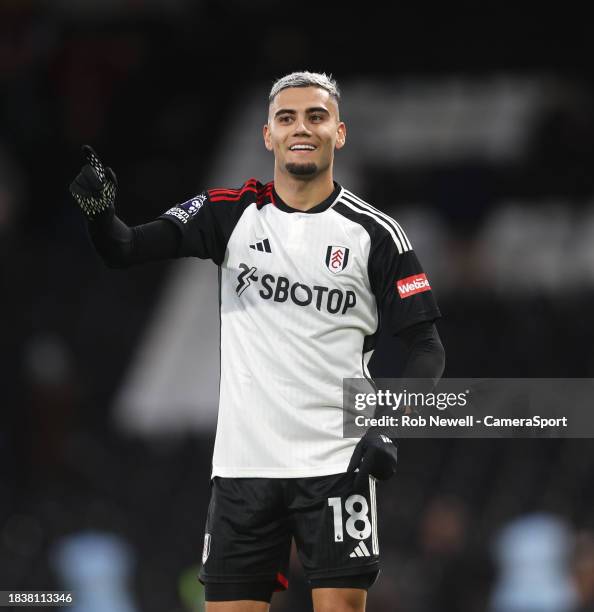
(235, 472)
(172, 219)
(429, 316)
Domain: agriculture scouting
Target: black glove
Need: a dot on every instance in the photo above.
(375, 455)
(94, 189)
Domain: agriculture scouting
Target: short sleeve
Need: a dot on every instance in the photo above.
(206, 223)
(401, 287)
(197, 222)
(207, 220)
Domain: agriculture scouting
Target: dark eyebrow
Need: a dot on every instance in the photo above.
(317, 109)
(289, 111)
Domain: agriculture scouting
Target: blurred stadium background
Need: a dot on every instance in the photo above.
(474, 129)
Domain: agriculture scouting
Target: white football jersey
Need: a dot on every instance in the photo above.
(302, 299)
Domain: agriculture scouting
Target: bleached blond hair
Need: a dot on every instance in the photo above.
(306, 79)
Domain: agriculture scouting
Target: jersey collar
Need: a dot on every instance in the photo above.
(318, 208)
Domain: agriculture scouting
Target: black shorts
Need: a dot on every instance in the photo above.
(251, 522)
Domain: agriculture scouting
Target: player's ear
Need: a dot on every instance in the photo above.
(266, 134)
(341, 135)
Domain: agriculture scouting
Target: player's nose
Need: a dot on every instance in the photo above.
(300, 126)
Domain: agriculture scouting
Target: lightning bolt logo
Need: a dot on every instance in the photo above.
(245, 278)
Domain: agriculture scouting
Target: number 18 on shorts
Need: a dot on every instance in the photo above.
(252, 521)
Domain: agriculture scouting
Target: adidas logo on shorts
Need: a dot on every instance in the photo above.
(360, 551)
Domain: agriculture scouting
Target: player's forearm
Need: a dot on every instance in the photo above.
(425, 353)
(121, 246)
(424, 365)
(376, 452)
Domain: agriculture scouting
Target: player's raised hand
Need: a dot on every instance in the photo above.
(94, 188)
(375, 455)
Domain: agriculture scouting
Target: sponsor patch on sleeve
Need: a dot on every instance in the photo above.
(412, 284)
(194, 205)
(178, 213)
(184, 212)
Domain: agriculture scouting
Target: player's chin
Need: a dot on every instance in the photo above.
(307, 169)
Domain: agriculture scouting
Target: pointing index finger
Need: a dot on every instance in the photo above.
(94, 162)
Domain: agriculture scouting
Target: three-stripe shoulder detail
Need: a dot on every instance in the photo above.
(252, 188)
(358, 205)
(233, 195)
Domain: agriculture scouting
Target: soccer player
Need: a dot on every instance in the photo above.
(309, 274)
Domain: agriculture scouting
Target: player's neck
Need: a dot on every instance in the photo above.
(301, 194)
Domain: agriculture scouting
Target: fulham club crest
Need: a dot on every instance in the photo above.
(337, 258)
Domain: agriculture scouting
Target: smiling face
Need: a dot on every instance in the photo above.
(303, 130)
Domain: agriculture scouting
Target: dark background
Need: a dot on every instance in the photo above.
(152, 86)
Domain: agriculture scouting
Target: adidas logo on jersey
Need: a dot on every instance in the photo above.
(262, 245)
(360, 551)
